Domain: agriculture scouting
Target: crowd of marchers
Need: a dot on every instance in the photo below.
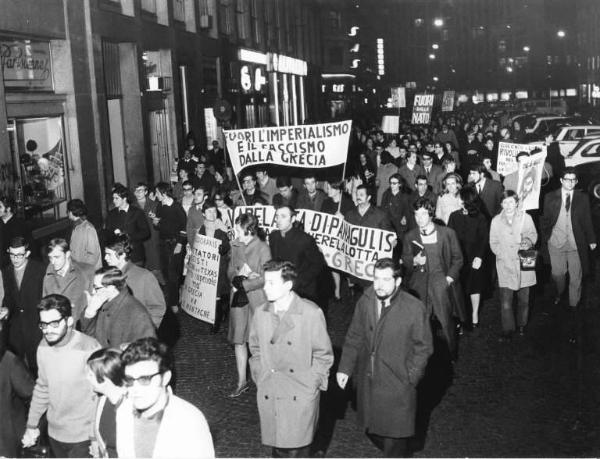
(81, 338)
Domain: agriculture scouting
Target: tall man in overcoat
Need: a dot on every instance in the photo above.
(291, 358)
(386, 349)
(568, 235)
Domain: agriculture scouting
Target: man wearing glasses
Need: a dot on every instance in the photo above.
(22, 280)
(62, 390)
(151, 421)
(568, 236)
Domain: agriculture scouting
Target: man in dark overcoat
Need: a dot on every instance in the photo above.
(568, 235)
(386, 349)
(23, 280)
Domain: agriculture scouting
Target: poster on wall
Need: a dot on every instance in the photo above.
(422, 108)
(199, 296)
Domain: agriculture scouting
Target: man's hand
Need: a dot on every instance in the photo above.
(419, 259)
(178, 248)
(342, 379)
(30, 437)
(476, 263)
(3, 313)
(94, 303)
(593, 246)
(403, 221)
(449, 280)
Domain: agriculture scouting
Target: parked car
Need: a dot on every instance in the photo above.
(585, 158)
(545, 124)
(569, 136)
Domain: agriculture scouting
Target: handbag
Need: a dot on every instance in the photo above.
(240, 299)
(527, 257)
(37, 450)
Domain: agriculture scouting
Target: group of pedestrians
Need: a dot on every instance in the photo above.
(92, 319)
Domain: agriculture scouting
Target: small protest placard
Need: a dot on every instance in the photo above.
(507, 156)
(199, 296)
(530, 181)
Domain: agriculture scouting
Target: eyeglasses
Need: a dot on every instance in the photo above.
(17, 256)
(54, 324)
(96, 288)
(144, 380)
(572, 180)
(217, 198)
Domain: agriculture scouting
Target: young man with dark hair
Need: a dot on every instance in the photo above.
(129, 220)
(366, 213)
(251, 195)
(311, 197)
(12, 226)
(112, 315)
(151, 421)
(291, 358)
(287, 196)
(170, 220)
(387, 372)
(488, 190)
(143, 283)
(62, 390)
(266, 184)
(23, 280)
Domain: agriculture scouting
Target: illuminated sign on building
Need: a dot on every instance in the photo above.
(252, 78)
(380, 57)
(286, 64)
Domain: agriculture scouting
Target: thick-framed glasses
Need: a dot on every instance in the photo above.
(53, 324)
(143, 380)
(571, 180)
(17, 256)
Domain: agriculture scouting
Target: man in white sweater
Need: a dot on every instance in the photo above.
(62, 390)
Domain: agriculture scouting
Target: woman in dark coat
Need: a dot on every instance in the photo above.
(214, 228)
(432, 258)
(16, 386)
(471, 227)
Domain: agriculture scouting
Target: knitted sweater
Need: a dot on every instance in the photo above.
(62, 390)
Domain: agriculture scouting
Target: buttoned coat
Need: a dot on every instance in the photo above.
(387, 357)
(24, 334)
(583, 230)
(78, 279)
(256, 253)
(290, 363)
(505, 240)
(374, 217)
(146, 290)
(134, 224)
(491, 195)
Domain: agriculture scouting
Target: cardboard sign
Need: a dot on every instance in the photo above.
(422, 108)
(530, 181)
(448, 101)
(307, 146)
(350, 248)
(507, 156)
(199, 296)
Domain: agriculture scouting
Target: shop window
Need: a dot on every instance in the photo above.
(38, 151)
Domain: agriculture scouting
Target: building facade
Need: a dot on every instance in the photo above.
(96, 92)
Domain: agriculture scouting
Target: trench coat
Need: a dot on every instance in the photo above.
(78, 279)
(445, 300)
(290, 363)
(387, 357)
(505, 240)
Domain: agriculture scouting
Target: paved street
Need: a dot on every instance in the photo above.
(536, 396)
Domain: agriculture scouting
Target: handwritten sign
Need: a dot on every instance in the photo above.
(26, 64)
(530, 181)
(448, 101)
(350, 248)
(307, 146)
(422, 108)
(199, 297)
(507, 156)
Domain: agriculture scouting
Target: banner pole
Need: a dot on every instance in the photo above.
(343, 178)
(237, 179)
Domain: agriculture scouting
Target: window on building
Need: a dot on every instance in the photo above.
(334, 19)
(149, 6)
(179, 10)
(270, 19)
(226, 17)
(257, 33)
(243, 16)
(502, 46)
(279, 24)
(206, 13)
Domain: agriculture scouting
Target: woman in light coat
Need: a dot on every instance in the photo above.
(248, 255)
(512, 230)
(84, 243)
(449, 200)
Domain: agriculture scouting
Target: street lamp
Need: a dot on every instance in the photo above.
(432, 56)
(438, 22)
(561, 34)
(436, 79)
(435, 46)
(526, 48)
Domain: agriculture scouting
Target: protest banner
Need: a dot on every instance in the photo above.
(390, 124)
(308, 146)
(422, 108)
(448, 101)
(530, 181)
(507, 156)
(350, 248)
(399, 97)
(199, 297)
